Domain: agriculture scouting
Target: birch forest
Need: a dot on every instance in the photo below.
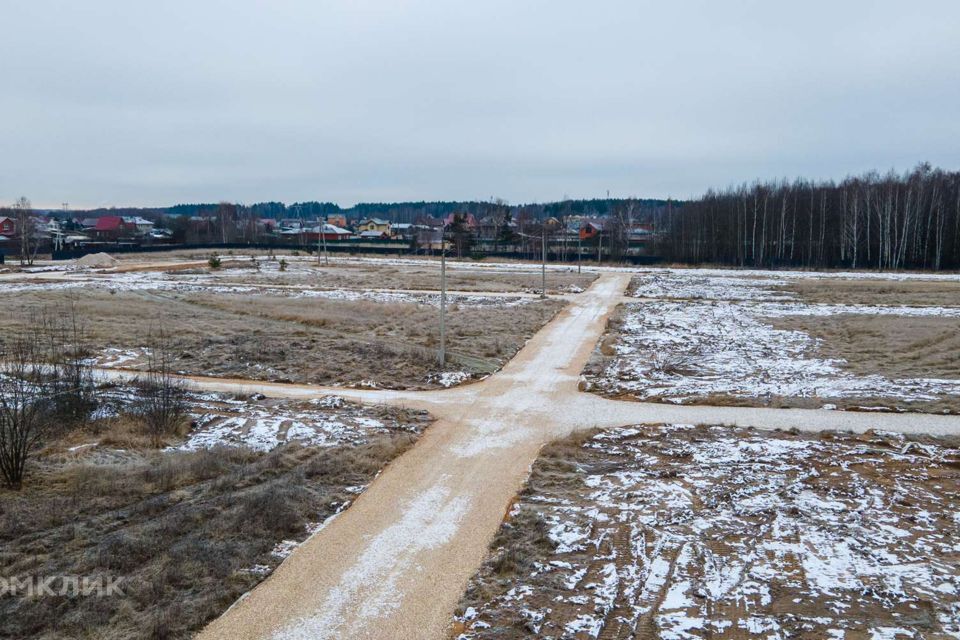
(873, 221)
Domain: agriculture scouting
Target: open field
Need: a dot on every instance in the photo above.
(677, 531)
(887, 345)
(708, 337)
(326, 337)
(189, 529)
(407, 273)
(914, 292)
(418, 275)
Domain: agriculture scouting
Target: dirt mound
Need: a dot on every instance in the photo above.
(97, 261)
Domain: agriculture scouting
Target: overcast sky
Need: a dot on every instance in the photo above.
(152, 103)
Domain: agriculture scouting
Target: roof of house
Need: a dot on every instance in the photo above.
(109, 223)
(468, 219)
(372, 234)
(332, 228)
(376, 221)
(137, 220)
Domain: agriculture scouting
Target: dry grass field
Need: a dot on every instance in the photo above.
(426, 277)
(707, 532)
(875, 292)
(186, 531)
(316, 340)
(890, 346)
(407, 273)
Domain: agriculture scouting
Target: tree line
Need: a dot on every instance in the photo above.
(872, 221)
(392, 211)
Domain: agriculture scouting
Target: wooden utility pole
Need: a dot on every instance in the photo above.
(543, 264)
(579, 252)
(322, 238)
(443, 302)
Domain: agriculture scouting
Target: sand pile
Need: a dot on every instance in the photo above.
(97, 261)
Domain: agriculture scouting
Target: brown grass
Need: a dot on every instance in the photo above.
(891, 346)
(182, 529)
(425, 277)
(908, 292)
(301, 340)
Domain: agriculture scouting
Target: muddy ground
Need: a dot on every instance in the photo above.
(710, 532)
(187, 532)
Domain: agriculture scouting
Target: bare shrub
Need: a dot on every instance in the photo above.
(161, 403)
(70, 375)
(25, 406)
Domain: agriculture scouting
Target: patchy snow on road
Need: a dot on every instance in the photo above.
(429, 521)
(681, 350)
(695, 532)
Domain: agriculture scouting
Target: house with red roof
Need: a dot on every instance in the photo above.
(8, 226)
(113, 228)
(469, 221)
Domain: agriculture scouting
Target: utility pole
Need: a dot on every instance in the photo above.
(443, 301)
(59, 241)
(322, 238)
(579, 252)
(543, 264)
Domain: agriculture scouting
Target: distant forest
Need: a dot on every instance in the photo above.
(405, 211)
(891, 221)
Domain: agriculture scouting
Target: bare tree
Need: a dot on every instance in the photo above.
(67, 352)
(25, 406)
(23, 211)
(162, 396)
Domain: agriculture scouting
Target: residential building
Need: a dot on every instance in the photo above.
(374, 224)
(330, 233)
(113, 228)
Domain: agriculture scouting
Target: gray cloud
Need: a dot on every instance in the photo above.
(108, 103)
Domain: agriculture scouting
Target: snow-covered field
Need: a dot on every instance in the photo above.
(677, 351)
(749, 284)
(681, 532)
(263, 424)
(213, 283)
(701, 334)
